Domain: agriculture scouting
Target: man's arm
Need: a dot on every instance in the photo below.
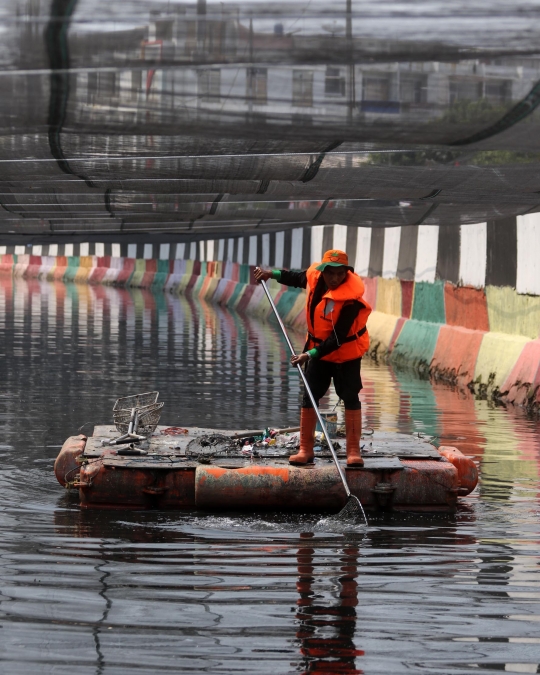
(285, 277)
(288, 278)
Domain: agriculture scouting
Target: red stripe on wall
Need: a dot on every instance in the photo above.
(407, 294)
(466, 307)
(456, 352)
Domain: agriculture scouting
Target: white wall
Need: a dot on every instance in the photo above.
(252, 255)
(528, 254)
(340, 237)
(472, 257)
(317, 232)
(265, 250)
(363, 249)
(280, 249)
(392, 238)
(296, 248)
(426, 255)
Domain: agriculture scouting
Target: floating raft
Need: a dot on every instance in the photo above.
(401, 472)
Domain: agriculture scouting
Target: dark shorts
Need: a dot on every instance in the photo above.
(347, 381)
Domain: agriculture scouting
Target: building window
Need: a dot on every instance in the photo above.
(465, 90)
(498, 91)
(413, 89)
(257, 85)
(164, 29)
(376, 88)
(334, 82)
(209, 85)
(379, 95)
(302, 91)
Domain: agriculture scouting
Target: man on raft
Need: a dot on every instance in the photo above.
(337, 339)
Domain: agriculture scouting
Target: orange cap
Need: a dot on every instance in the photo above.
(334, 258)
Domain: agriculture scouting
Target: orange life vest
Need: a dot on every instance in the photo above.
(327, 313)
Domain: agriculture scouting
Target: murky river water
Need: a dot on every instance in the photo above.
(146, 592)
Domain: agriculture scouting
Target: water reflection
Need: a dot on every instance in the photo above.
(117, 592)
(101, 342)
(327, 632)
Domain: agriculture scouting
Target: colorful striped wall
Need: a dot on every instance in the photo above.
(500, 253)
(487, 339)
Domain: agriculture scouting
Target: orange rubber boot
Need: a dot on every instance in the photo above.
(308, 420)
(353, 432)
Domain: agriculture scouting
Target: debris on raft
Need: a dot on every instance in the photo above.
(271, 443)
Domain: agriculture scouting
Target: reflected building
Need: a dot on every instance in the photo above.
(195, 120)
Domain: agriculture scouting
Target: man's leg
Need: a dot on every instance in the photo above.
(318, 376)
(348, 383)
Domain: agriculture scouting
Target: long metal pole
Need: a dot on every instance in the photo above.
(308, 389)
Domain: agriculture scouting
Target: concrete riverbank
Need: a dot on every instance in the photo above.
(484, 339)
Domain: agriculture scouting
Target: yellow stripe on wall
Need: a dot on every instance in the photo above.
(381, 329)
(389, 296)
(497, 356)
(512, 313)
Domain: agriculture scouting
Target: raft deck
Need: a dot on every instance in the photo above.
(380, 451)
(403, 472)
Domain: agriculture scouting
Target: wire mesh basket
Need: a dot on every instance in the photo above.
(136, 401)
(148, 418)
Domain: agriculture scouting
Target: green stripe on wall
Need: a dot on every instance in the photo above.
(287, 300)
(415, 344)
(72, 268)
(428, 304)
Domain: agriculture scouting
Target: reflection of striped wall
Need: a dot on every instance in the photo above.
(498, 253)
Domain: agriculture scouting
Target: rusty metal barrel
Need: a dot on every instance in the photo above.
(269, 488)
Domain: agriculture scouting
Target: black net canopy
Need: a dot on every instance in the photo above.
(198, 119)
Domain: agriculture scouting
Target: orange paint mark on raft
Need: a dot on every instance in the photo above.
(456, 352)
(269, 488)
(466, 307)
(277, 472)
